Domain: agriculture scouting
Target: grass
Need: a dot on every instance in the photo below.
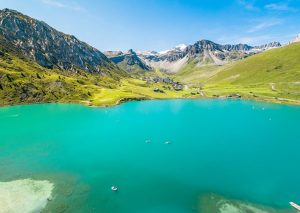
(23, 81)
(194, 74)
(273, 75)
(133, 89)
(277, 65)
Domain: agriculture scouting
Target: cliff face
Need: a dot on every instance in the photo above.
(49, 47)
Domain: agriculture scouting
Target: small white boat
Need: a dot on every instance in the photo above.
(295, 206)
(114, 188)
(168, 142)
(148, 141)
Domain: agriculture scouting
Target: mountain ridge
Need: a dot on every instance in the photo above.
(205, 51)
(49, 47)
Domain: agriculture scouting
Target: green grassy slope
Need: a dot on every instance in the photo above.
(274, 73)
(194, 74)
(133, 70)
(277, 65)
(24, 81)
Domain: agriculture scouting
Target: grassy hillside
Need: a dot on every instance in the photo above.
(24, 81)
(194, 74)
(133, 70)
(273, 75)
(277, 65)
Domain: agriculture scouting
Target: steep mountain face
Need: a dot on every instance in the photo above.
(49, 47)
(128, 61)
(204, 52)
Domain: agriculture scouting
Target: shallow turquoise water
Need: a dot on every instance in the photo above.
(243, 150)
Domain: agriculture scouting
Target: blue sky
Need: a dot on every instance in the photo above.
(162, 24)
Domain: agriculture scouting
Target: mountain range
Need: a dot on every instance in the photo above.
(49, 48)
(204, 52)
(40, 64)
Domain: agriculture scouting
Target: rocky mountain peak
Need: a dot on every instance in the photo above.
(181, 47)
(128, 60)
(130, 52)
(270, 45)
(202, 45)
(236, 47)
(208, 45)
(7, 10)
(49, 47)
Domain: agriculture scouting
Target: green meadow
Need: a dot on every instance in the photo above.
(273, 75)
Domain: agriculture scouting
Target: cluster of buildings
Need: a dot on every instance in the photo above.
(167, 80)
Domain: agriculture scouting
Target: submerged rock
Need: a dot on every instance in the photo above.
(25, 195)
(218, 204)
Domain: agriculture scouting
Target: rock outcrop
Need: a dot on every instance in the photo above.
(128, 61)
(49, 47)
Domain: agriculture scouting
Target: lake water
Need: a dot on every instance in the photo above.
(223, 155)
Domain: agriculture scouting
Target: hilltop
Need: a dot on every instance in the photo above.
(274, 74)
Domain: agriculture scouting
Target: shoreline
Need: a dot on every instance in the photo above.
(279, 101)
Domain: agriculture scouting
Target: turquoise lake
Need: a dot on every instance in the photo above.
(220, 151)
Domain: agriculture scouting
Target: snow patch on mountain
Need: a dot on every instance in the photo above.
(179, 47)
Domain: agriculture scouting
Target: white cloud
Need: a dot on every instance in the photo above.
(248, 5)
(264, 25)
(72, 6)
(280, 7)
